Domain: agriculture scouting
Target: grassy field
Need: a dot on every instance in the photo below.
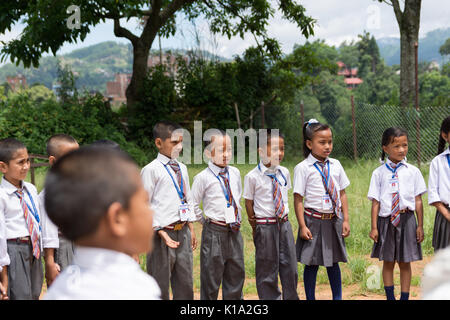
(356, 272)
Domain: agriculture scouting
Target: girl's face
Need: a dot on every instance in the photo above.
(321, 144)
(397, 149)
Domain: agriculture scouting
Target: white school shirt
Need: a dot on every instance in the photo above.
(410, 181)
(50, 238)
(308, 182)
(4, 257)
(259, 188)
(208, 189)
(164, 198)
(439, 179)
(16, 225)
(102, 274)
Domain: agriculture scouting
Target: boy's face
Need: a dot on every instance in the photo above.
(17, 168)
(170, 147)
(221, 150)
(273, 153)
(140, 230)
(397, 149)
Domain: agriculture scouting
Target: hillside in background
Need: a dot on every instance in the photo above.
(93, 65)
(428, 47)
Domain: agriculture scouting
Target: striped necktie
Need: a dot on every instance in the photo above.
(236, 225)
(30, 224)
(277, 197)
(395, 208)
(330, 188)
(176, 168)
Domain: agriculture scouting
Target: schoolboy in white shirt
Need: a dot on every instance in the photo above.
(219, 188)
(109, 225)
(167, 183)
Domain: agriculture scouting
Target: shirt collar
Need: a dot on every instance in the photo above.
(312, 160)
(446, 151)
(9, 187)
(164, 159)
(262, 168)
(215, 169)
(90, 257)
(403, 162)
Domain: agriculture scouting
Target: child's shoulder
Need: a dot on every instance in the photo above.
(151, 165)
(234, 170)
(302, 164)
(283, 169)
(31, 187)
(252, 172)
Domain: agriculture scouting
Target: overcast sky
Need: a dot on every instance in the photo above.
(337, 20)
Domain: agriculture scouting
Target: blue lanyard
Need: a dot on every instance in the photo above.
(448, 160)
(33, 211)
(321, 172)
(179, 191)
(393, 170)
(224, 189)
(275, 175)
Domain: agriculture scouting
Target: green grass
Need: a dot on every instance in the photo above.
(358, 244)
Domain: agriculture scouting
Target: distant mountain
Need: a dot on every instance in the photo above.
(93, 65)
(428, 47)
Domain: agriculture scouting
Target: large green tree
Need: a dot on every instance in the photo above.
(46, 27)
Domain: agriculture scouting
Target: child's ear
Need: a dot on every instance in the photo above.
(158, 143)
(51, 160)
(384, 149)
(309, 144)
(445, 136)
(117, 219)
(3, 167)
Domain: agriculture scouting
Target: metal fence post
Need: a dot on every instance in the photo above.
(416, 46)
(355, 149)
(302, 115)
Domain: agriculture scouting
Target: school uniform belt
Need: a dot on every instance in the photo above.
(319, 215)
(176, 226)
(273, 220)
(20, 240)
(405, 210)
(218, 222)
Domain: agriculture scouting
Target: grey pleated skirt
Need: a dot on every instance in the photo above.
(397, 243)
(441, 232)
(327, 245)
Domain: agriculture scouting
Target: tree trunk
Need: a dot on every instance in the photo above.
(409, 23)
(140, 68)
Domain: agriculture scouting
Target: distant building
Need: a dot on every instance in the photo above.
(350, 75)
(167, 59)
(115, 90)
(17, 82)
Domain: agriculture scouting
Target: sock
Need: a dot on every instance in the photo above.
(334, 276)
(309, 280)
(404, 295)
(389, 292)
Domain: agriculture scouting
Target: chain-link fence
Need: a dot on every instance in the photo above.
(363, 138)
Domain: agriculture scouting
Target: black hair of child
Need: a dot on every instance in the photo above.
(105, 143)
(82, 185)
(389, 135)
(309, 129)
(445, 128)
(164, 129)
(8, 148)
(53, 142)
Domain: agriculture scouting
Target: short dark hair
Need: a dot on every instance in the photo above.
(309, 129)
(445, 128)
(164, 129)
(212, 132)
(105, 143)
(82, 185)
(389, 135)
(270, 133)
(8, 148)
(54, 141)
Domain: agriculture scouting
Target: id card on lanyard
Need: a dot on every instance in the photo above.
(327, 204)
(393, 180)
(183, 209)
(230, 216)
